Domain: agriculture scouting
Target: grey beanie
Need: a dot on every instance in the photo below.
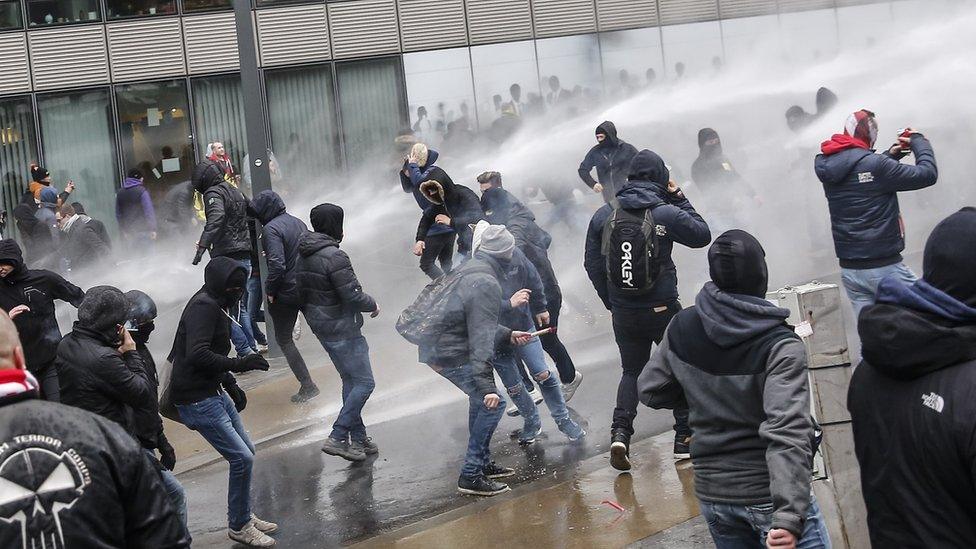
(496, 241)
(103, 308)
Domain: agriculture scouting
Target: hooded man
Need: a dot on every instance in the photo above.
(34, 235)
(611, 157)
(911, 399)
(33, 292)
(135, 213)
(741, 371)
(714, 174)
(207, 396)
(640, 317)
(333, 302)
(282, 233)
(454, 206)
(81, 246)
(76, 479)
(861, 188)
(437, 245)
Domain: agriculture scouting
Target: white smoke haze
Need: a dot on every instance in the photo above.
(919, 72)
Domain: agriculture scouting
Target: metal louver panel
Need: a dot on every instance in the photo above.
(804, 5)
(363, 28)
(211, 43)
(149, 48)
(562, 17)
(626, 14)
(68, 57)
(499, 20)
(432, 24)
(746, 8)
(688, 11)
(293, 35)
(844, 3)
(15, 76)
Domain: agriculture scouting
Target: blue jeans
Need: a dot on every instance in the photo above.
(534, 358)
(481, 421)
(507, 370)
(862, 284)
(254, 299)
(351, 360)
(173, 488)
(746, 526)
(240, 331)
(216, 419)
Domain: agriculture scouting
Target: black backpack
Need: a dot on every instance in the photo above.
(425, 320)
(630, 247)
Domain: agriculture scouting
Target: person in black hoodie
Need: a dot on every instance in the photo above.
(81, 246)
(32, 293)
(611, 157)
(333, 302)
(454, 206)
(282, 233)
(207, 396)
(714, 174)
(437, 245)
(106, 494)
(639, 320)
(911, 399)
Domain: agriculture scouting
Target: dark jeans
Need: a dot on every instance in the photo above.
(481, 421)
(284, 317)
(47, 377)
(636, 330)
(254, 298)
(216, 419)
(746, 526)
(240, 327)
(438, 249)
(351, 359)
(172, 486)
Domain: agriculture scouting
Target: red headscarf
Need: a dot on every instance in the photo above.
(860, 131)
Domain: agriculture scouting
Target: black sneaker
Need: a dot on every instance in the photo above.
(341, 448)
(366, 445)
(619, 450)
(682, 448)
(305, 394)
(480, 486)
(494, 471)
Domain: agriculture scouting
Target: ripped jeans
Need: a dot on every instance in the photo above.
(533, 356)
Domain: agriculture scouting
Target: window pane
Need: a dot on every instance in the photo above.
(631, 60)
(809, 36)
(440, 93)
(304, 133)
(748, 40)
(154, 127)
(17, 150)
(200, 5)
(10, 15)
(693, 50)
(372, 112)
(139, 8)
(78, 143)
(570, 72)
(60, 12)
(497, 69)
(218, 110)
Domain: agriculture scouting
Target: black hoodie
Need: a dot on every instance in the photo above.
(458, 202)
(280, 233)
(226, 232)
(611, 158)
(38, 289)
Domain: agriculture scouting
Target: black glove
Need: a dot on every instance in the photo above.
(198, 256)
(251, 362)
(237, 395)
(167, 455)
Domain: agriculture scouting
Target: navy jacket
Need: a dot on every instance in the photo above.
(281, 232)
(861, 189)
(411, 184)
(519, 274)
(676, 220)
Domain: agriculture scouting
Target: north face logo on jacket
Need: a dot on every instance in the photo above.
(933, 401)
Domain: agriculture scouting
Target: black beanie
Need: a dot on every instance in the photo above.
(327, 219)
(950, 258)
(103, 308)
(39, 174)
(737, 264)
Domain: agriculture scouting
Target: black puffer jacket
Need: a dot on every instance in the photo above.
(107, 493)
(281, 234)
(458, 202)
(82, 247)
(332, 298)
(199, 355)
(225, 233)
(95, 377)
(38, 289)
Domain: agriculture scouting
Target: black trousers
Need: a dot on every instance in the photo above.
(438, 249)
(636, 331)
(284, 317)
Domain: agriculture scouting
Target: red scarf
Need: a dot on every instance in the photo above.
(841, 142)
(16, 382)
(224, 163)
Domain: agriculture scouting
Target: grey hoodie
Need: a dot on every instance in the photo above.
(743, 374)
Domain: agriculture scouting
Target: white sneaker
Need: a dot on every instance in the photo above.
(296, 334)
(512, 411)
(263, 525)
(535, 395)
(570, 388)
(250, 535)
(262, 348)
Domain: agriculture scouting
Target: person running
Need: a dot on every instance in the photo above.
(136, 215)
(742, 372)
(628, 260)
(32, 293)
(333, 302)
(454, 206)
(437, 245)
(611, 156)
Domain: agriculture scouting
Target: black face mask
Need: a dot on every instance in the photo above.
(232, 296)
(141, 335)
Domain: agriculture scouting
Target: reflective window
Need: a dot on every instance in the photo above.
(117, 9)
(218, 111)
(861, 27)
(10, 15)
(304, 131)
(154, 128)
(809, 36)
(632, 61)
(79, 145)
(693, 50)
(506, 73)
(371, 107)
(18, 148)
(570, 73)
(749, 39)
(440, 93)
(60, 12)
(202, 5)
